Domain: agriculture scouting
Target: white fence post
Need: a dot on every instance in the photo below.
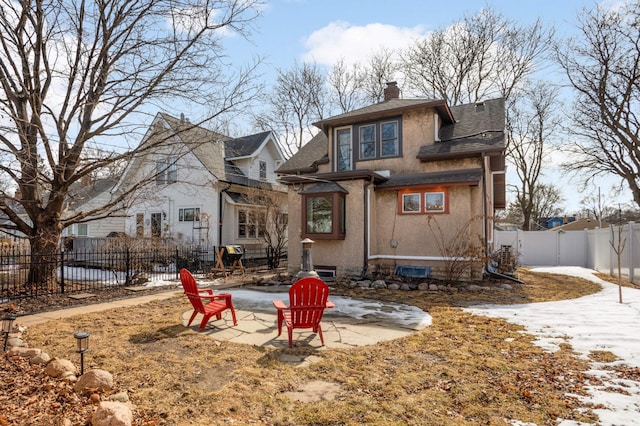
(630, 247)
(611, 251)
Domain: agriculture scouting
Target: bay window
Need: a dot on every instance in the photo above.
(324, 215)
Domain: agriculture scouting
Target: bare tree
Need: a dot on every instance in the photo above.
(484, 55)
(618, 245)
(531, 123)
(603, 67)
(596, 206)
(270, 217)
(293, 105)
(346, 86)
(381, 68)
(75, 75)
(546, 202)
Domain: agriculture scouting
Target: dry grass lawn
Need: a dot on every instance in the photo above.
(464, 369)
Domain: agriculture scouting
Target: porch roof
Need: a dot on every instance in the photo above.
(451, 178)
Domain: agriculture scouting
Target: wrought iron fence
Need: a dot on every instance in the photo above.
(107, 266)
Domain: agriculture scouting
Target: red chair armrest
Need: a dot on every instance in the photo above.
(330, 304)
(279, 305)
(225, 296)
(205, 296)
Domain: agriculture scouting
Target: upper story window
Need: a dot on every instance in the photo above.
(390, 141)
(368, 142)
(172, 170)
(263, 170)
(167, 171)
(343, 149)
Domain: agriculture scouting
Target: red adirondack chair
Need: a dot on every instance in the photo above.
(217, 304)
(307, 302)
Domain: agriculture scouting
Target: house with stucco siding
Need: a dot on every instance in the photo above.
(391, 188)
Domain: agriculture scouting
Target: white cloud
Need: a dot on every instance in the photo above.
(356, 43)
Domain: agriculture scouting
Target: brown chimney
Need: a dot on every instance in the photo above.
(392, 91)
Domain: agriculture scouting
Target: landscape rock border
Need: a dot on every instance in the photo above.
(116, 410)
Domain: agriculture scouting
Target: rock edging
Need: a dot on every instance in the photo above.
(115, 411)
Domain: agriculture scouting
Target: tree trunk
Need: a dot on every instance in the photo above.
(44, 260)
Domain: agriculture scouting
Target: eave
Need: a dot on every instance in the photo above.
(368, 175)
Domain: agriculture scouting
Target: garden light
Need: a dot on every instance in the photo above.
(82, 339)
(7, 324)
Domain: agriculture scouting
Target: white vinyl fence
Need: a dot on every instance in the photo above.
(588, 248)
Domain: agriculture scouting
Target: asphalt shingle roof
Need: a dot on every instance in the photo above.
(244, 146)
(474, 119)
(305, 160)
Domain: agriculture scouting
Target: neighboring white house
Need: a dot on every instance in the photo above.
(204, 186)
(88, 195)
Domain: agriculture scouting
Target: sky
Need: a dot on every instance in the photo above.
(323, 31)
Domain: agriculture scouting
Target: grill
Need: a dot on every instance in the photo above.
(232, 253)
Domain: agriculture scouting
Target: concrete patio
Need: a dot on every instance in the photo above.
(353, 322)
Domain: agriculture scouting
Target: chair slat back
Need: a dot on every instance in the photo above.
(307, 301)
(191, 290)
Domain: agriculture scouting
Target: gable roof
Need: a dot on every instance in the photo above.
(246, 146)
(213, 150)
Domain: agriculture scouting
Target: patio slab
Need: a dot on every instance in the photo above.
(354, 322)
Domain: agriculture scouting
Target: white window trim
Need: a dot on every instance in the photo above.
(419, 203)
(444, 201)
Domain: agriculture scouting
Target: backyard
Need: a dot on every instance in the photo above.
(463, 369)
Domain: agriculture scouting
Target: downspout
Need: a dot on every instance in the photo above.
(220, 212)
(367, 226)
(485, 225)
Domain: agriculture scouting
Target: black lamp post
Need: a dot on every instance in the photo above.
(82, 339)
(7, 324)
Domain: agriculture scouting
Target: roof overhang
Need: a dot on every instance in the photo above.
(368, 175)
(347, 119)
(466, 177)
